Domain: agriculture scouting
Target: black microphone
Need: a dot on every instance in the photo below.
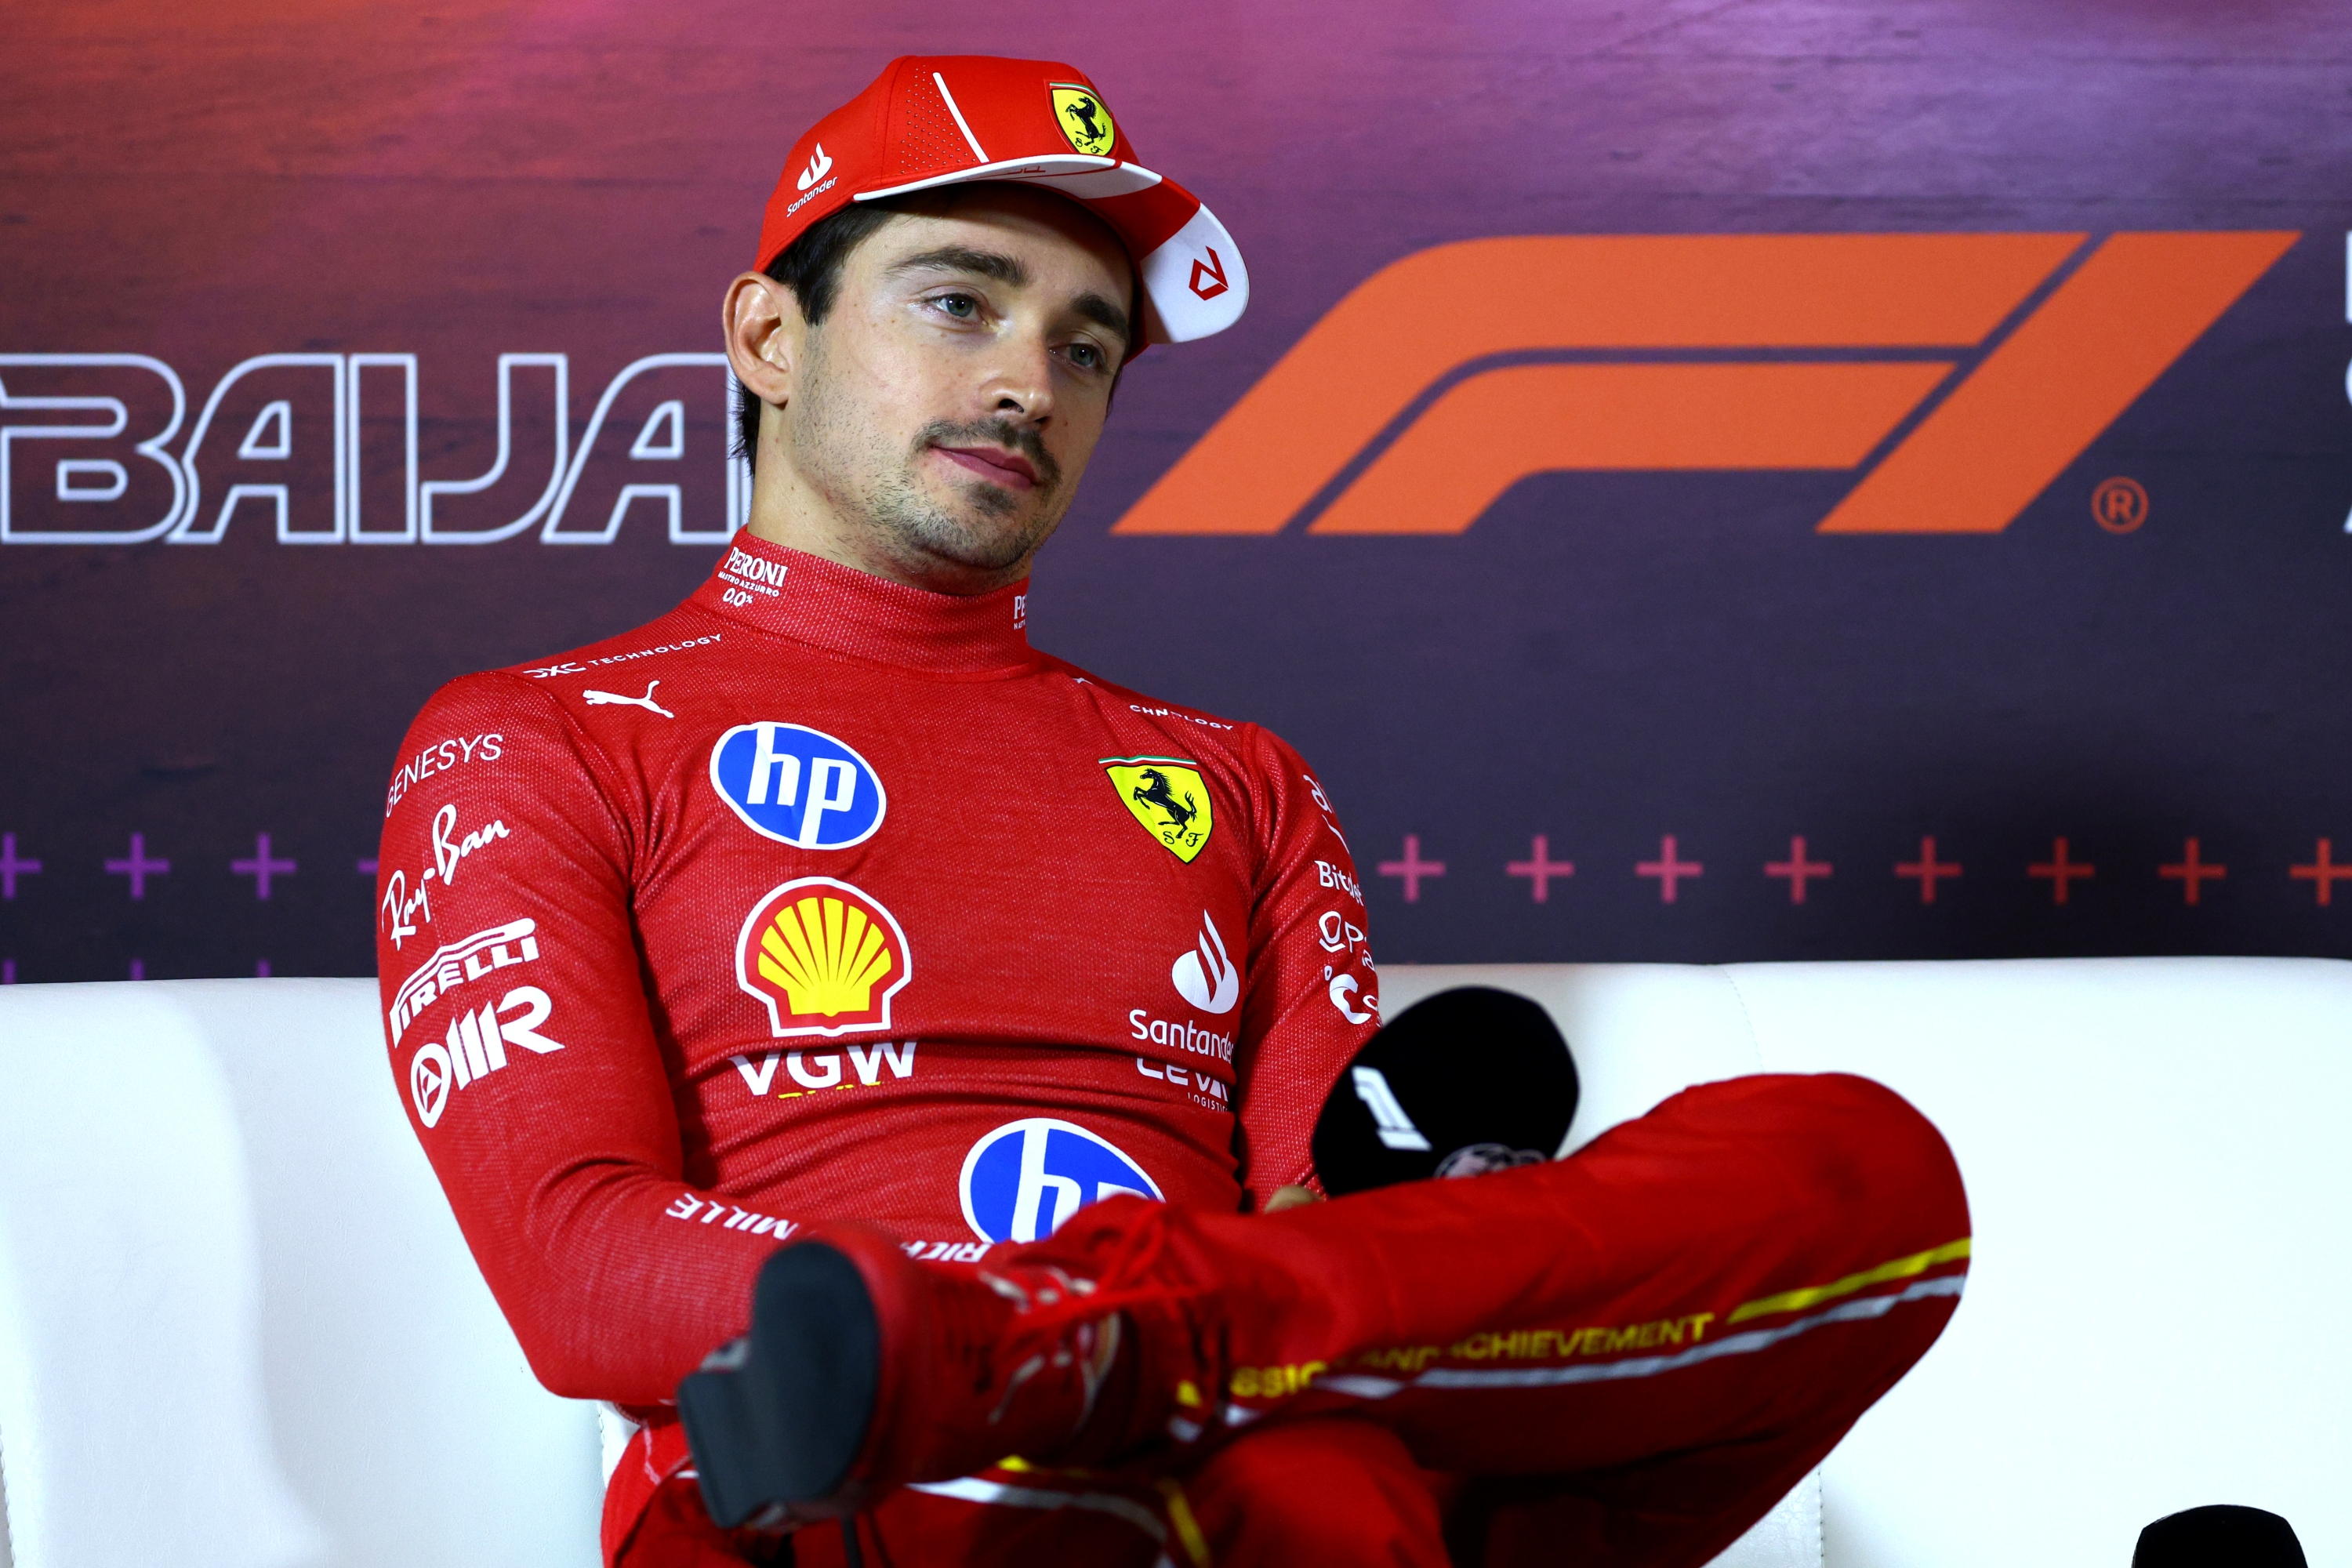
(2220, 1535)
(1466, 1081)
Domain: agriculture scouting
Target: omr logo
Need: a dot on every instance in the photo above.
(1962, 372)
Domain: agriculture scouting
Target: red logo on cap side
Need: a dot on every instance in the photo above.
(1213, 268)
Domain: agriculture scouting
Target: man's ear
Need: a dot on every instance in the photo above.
(766, 337)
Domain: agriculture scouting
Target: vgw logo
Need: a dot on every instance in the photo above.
(1961, 372)
(1025, 1179)
(797, 785)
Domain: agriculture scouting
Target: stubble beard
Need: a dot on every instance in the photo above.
(880, 487)
(993, 534)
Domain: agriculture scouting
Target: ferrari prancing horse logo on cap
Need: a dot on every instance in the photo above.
(1083, 119)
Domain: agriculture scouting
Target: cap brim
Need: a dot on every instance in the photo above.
(1194, 280)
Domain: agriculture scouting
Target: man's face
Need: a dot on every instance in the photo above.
(949, 402)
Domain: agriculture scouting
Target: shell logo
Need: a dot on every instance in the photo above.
(824, 958)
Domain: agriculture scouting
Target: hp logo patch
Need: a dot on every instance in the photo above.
(797, 785)
(1024, 1180)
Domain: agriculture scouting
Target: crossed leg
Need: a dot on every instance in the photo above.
(1625, 1357)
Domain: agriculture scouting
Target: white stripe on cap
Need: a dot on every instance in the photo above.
(970, 140)
(1071, 174)
(1119, 180)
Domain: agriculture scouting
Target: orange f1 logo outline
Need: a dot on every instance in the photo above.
(1663, 326)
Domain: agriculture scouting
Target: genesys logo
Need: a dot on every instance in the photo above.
(476, 1047)
(441, 757)
(1460, 370)
(1025, 1179)
(797, 785)
(822, 957)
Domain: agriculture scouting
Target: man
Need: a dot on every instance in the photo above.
(826, 912)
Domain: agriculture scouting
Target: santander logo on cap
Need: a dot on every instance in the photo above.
(932, 121)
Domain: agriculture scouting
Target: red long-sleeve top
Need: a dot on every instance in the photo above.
(826, 898)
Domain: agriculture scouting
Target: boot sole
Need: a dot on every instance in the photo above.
(783, 1430)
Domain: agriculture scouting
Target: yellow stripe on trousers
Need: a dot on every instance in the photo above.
(1188, 1529)
(1899, 1269)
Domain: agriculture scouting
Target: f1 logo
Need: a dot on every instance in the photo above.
(2006, 356)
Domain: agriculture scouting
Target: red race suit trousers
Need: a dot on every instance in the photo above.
(1625, 1357)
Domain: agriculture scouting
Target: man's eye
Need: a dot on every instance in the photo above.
(962, 306)
(1087, 356)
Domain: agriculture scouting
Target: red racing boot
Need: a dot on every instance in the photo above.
(864, 1371)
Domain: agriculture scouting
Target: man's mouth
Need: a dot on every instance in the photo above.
(994, 463)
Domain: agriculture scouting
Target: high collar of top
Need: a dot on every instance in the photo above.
(842, 610)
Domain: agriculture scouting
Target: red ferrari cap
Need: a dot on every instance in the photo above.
(954, 119)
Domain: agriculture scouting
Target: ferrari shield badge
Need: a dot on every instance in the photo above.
(1167, 796)
(1083, 119)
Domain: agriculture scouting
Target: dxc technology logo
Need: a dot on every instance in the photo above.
(797, 785)
(1023, 1181)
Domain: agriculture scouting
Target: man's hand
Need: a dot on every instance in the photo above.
(1291, 1197)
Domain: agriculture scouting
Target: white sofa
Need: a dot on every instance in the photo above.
(237, 1326)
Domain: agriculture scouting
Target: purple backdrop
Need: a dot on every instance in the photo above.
(1617, 651)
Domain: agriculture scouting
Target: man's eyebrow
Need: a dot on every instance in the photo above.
(963, 258)
(1102, 313)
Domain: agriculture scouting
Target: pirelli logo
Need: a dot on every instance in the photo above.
(1960, 373)
(456, 963)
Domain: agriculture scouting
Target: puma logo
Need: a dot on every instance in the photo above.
(602, 698)
(817, 168)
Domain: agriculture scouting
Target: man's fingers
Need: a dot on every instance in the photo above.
(1290, 1197)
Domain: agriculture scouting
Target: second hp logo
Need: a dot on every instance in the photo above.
(1024, 1180)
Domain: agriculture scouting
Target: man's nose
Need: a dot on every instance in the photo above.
(1021, 384)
